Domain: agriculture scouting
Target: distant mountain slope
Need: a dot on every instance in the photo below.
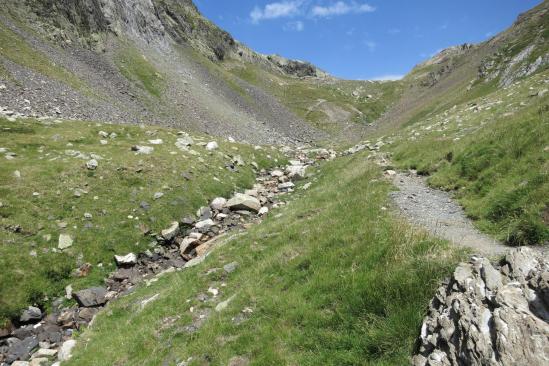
(139, 61)
(465, 72)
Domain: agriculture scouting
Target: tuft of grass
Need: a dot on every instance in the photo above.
(493, 154)
(328, 279)
(32, 271)
(136, 68)
(17, 50)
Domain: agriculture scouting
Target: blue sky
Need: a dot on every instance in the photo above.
(358, 39)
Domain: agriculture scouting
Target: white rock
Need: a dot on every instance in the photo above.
(45, 352)
(126, 260)
(156, 142)
(296, 171)
(103, 134)
(277, 173)
(65, 351)
(204, 224)
(263, 210)
(184, 142)
(17, 174)
(143, 150)
(286, 186)
(103, 142)
(224, 304)
(212, 145)
(171, 232)
(92, 164)
(231, 139)
(218, 203)
(158, 195)
(65, 241)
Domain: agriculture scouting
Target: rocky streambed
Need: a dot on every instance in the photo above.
(46, 339)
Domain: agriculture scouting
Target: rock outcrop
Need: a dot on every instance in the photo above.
(490, 314)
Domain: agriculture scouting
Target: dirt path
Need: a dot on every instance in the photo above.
(441, 216)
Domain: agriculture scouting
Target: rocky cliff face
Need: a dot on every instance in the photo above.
(155, 22)
(490, 315)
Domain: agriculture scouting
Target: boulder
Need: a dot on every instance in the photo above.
(218, 203)
(204, 224)
(489, 314)
(243, 202)
(170, 233)
(91, 297)
(31, 315)
(277, 173)
(65, 351)
(92, 164)
(184, 142)
(126, 260)
(21, 350)
(212, 145)
(296, 171)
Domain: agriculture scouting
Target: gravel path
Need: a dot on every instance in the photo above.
(435, 211)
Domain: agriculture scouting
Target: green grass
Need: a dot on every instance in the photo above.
(115, 190)
(17, 50)
(332, 280)
(136, 68)
(299, 95)
(495, 160)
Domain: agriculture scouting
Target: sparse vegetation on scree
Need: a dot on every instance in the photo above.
(328, 279)
(46, 190)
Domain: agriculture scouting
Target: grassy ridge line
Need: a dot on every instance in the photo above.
(493, 154)
(113, 194)
(330, 279)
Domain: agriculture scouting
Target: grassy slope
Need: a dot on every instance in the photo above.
(15, 49)
(333, 280)
(45, 168)
(136, 68)
(299, 95)
(494, 158)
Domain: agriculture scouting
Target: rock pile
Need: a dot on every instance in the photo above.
(490, 315)
(184, 243)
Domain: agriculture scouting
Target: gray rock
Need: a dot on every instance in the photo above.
(31, 315)
(218, 203)
(21, 350)
(230, 267)
(243, 202)
(489, 315)
(170, 233)
(91, 297)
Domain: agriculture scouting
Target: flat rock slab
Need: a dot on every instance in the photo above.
(436, 211)
(91, 297)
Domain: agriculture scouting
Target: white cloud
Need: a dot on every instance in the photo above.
(297, 26)
(275, 10)
(393, 31)
(388, 77)
(341, 8)
(371, 45)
